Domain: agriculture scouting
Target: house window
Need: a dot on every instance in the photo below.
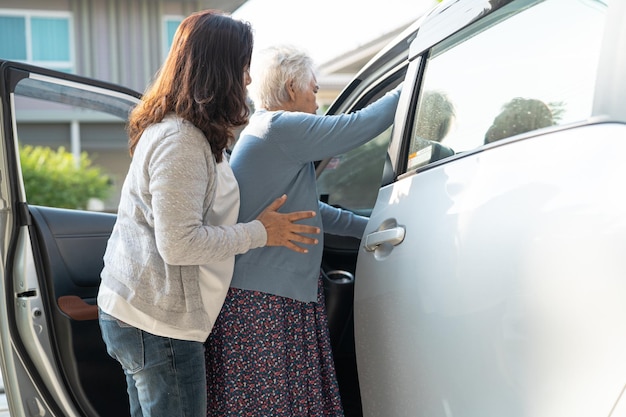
(170, 24)
(40, 38)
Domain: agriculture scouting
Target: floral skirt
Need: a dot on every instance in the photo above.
(271, 356)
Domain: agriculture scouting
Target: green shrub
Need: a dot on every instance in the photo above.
(53, 178)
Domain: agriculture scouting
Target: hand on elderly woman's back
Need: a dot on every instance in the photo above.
(283, 231)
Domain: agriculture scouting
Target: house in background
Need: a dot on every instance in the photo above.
(123, 42)
(336, 73)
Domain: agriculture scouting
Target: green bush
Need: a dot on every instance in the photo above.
(53, 178)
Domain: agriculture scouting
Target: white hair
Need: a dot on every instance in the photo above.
(273, 69)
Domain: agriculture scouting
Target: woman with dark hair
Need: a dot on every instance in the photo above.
(169, 260)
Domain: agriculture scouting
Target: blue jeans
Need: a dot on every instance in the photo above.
(165, 377)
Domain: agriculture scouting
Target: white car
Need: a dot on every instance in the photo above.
(491, 279)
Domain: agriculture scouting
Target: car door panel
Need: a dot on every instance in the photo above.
(70, 245)
(505, 293)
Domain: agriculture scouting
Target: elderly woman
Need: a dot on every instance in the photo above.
(269, 353)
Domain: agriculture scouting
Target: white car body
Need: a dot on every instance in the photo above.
(491, 278)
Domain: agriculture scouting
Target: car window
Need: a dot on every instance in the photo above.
(351, 180)
(523, 70)
(67, 135)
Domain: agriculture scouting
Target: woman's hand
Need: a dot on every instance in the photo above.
(281, 229)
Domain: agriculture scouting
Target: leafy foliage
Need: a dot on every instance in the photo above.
(54, 178)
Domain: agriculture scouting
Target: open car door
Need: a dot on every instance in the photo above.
(54, 361)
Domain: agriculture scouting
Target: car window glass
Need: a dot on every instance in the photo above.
(535, 69)
(351, 180)
(72, 143)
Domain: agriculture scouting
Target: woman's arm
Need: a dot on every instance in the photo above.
(341, 222)
(307, 137)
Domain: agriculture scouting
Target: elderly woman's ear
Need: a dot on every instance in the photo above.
(291, 89)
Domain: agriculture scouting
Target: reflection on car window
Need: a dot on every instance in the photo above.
(352, 180)
(521, 115)
(535, 69)
(435, 117)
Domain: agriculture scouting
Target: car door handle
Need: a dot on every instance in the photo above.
(393, 236)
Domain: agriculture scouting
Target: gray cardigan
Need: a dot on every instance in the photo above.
(161, 234)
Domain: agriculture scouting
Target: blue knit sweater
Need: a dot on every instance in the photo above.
(273, 156)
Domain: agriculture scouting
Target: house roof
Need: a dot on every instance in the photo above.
(334, 74)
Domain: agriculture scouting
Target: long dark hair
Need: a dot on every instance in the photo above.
(202, 80)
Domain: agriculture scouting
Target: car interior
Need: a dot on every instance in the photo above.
(351, 181)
